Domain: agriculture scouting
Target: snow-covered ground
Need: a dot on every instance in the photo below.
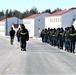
(39, 59)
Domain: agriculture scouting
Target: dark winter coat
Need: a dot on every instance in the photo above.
(24, 35)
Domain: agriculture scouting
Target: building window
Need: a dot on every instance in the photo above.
(39, 20)
(60, 19)
(27, 22)
(50, 20)
(2, 25)
(74, 16)
(56, 19)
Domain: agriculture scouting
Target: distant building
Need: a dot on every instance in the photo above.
(6, 24)
(35, 23)
(62, 18)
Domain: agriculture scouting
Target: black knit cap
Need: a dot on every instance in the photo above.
(22, 26)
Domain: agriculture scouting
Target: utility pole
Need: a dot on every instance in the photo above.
(18, 19)
(6, 25)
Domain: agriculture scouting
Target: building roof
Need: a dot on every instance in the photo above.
(7, 19)
(59, 13)
(34, 16)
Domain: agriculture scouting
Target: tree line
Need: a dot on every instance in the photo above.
(21, 15)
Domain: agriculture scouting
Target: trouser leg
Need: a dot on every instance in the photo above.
(11, 40)
(73, 47)
(23, 45)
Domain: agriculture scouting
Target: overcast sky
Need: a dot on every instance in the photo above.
(41, 5)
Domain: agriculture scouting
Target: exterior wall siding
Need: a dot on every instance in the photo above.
(10, 23)
(67, 19)
(2, 28)
(40, 23)
(53, 22)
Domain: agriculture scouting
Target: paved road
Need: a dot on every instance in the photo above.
(39, 59)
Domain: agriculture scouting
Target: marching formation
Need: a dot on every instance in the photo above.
(60, 38)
